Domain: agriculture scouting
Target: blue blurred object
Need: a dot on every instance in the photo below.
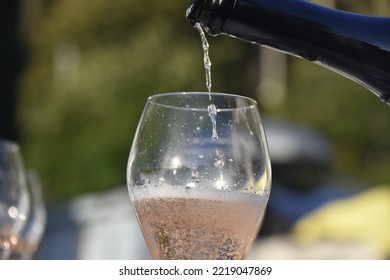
(292, 204)
(302, 176)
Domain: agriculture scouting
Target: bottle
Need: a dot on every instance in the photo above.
(354, 45)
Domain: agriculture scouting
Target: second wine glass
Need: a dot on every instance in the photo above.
(199, 175)
(32, 233)
(14, 200)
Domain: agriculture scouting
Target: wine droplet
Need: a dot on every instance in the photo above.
(213, 117)
(212, 110)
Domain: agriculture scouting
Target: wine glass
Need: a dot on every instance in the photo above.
(14, 201)
(31, 235)
(199, 175)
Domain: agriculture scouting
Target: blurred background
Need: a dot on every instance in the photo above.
(75, 76)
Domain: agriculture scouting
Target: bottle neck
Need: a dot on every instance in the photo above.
(210, 13)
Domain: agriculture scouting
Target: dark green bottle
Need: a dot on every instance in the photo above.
(354, 45)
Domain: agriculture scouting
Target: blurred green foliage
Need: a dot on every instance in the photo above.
(92, 65)
(355, 120)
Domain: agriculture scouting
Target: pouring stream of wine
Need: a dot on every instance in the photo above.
(206, 56)
(212, 110)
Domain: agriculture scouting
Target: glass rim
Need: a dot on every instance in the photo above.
(252, 103)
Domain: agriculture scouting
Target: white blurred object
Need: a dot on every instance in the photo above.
(97, 226)
(289, 142)
(285, 247)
